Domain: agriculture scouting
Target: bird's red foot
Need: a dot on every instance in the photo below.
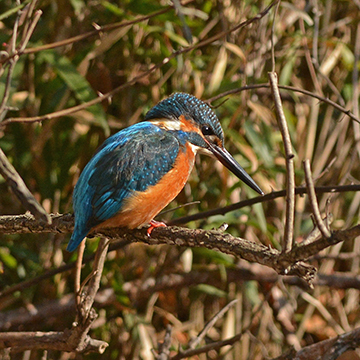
(154, 224)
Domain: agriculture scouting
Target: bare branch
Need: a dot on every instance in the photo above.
(78, 266)
(13, 59)
(290, 88)
(17, 185)
(94, 282)
(164, 348)
(196, 341)
(289, 158)
(325, 232)
(329, 349)
(284, 263)
(256, 200)
(32, 340)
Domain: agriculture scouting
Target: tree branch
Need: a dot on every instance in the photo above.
(32, 340)
(289, 159)
(259, 199)
(289, 88)
(290, 263)
(329, 349)
(325, 232)
(19, 188)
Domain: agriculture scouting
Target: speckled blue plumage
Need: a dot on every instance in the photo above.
(188, 105)
(134, 159)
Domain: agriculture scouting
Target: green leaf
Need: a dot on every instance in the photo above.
(211, 290)
(259, 211)
(348, 57)
(252, 292)
(14, 10)
(7, 258)
(215, 257)
(259, 144)
(78, 6)
(113, 8)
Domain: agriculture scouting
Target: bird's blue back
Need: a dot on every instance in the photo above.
(129, 161)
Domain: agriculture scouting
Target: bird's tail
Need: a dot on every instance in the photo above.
(76, 238)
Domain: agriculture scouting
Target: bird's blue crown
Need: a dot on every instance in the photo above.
(188, 105)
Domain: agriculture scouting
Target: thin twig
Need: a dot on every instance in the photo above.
(257, 200)
(272, 38)
(58, 270)
(309, 59)
(19, 188)
(12, 63)
(313, 201)
(94, 282)
(78, 266)
(164, 348)
(219, 344)
(30, 31)
(315, 51)
(29, 11)
(289, 158)
(13, 10)
(290, 88)
(185, 26)
(34, 340)
(196, 341)
(85, 312)
(355, 87)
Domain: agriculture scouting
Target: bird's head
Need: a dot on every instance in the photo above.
(184, 112)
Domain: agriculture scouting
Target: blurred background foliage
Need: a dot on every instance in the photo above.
(316, 48)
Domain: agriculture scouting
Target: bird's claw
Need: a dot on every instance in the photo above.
(154, 224)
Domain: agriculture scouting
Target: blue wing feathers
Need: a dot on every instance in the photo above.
(129, 161)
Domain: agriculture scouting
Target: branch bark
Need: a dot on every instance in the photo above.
(329, 349)
(290, 170)
(33, 340)
(290, 263)
(19, 188)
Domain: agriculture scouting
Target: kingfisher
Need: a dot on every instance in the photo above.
(139, 170)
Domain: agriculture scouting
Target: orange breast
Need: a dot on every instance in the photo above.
(142, 207)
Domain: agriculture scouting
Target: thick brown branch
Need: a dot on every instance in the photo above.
(327, 349)
(284, 263)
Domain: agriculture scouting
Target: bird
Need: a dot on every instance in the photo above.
(139, 170)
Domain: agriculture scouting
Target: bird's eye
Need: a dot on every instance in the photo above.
(206, 130)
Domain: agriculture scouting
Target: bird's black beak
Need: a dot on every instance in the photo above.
(229, 162)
